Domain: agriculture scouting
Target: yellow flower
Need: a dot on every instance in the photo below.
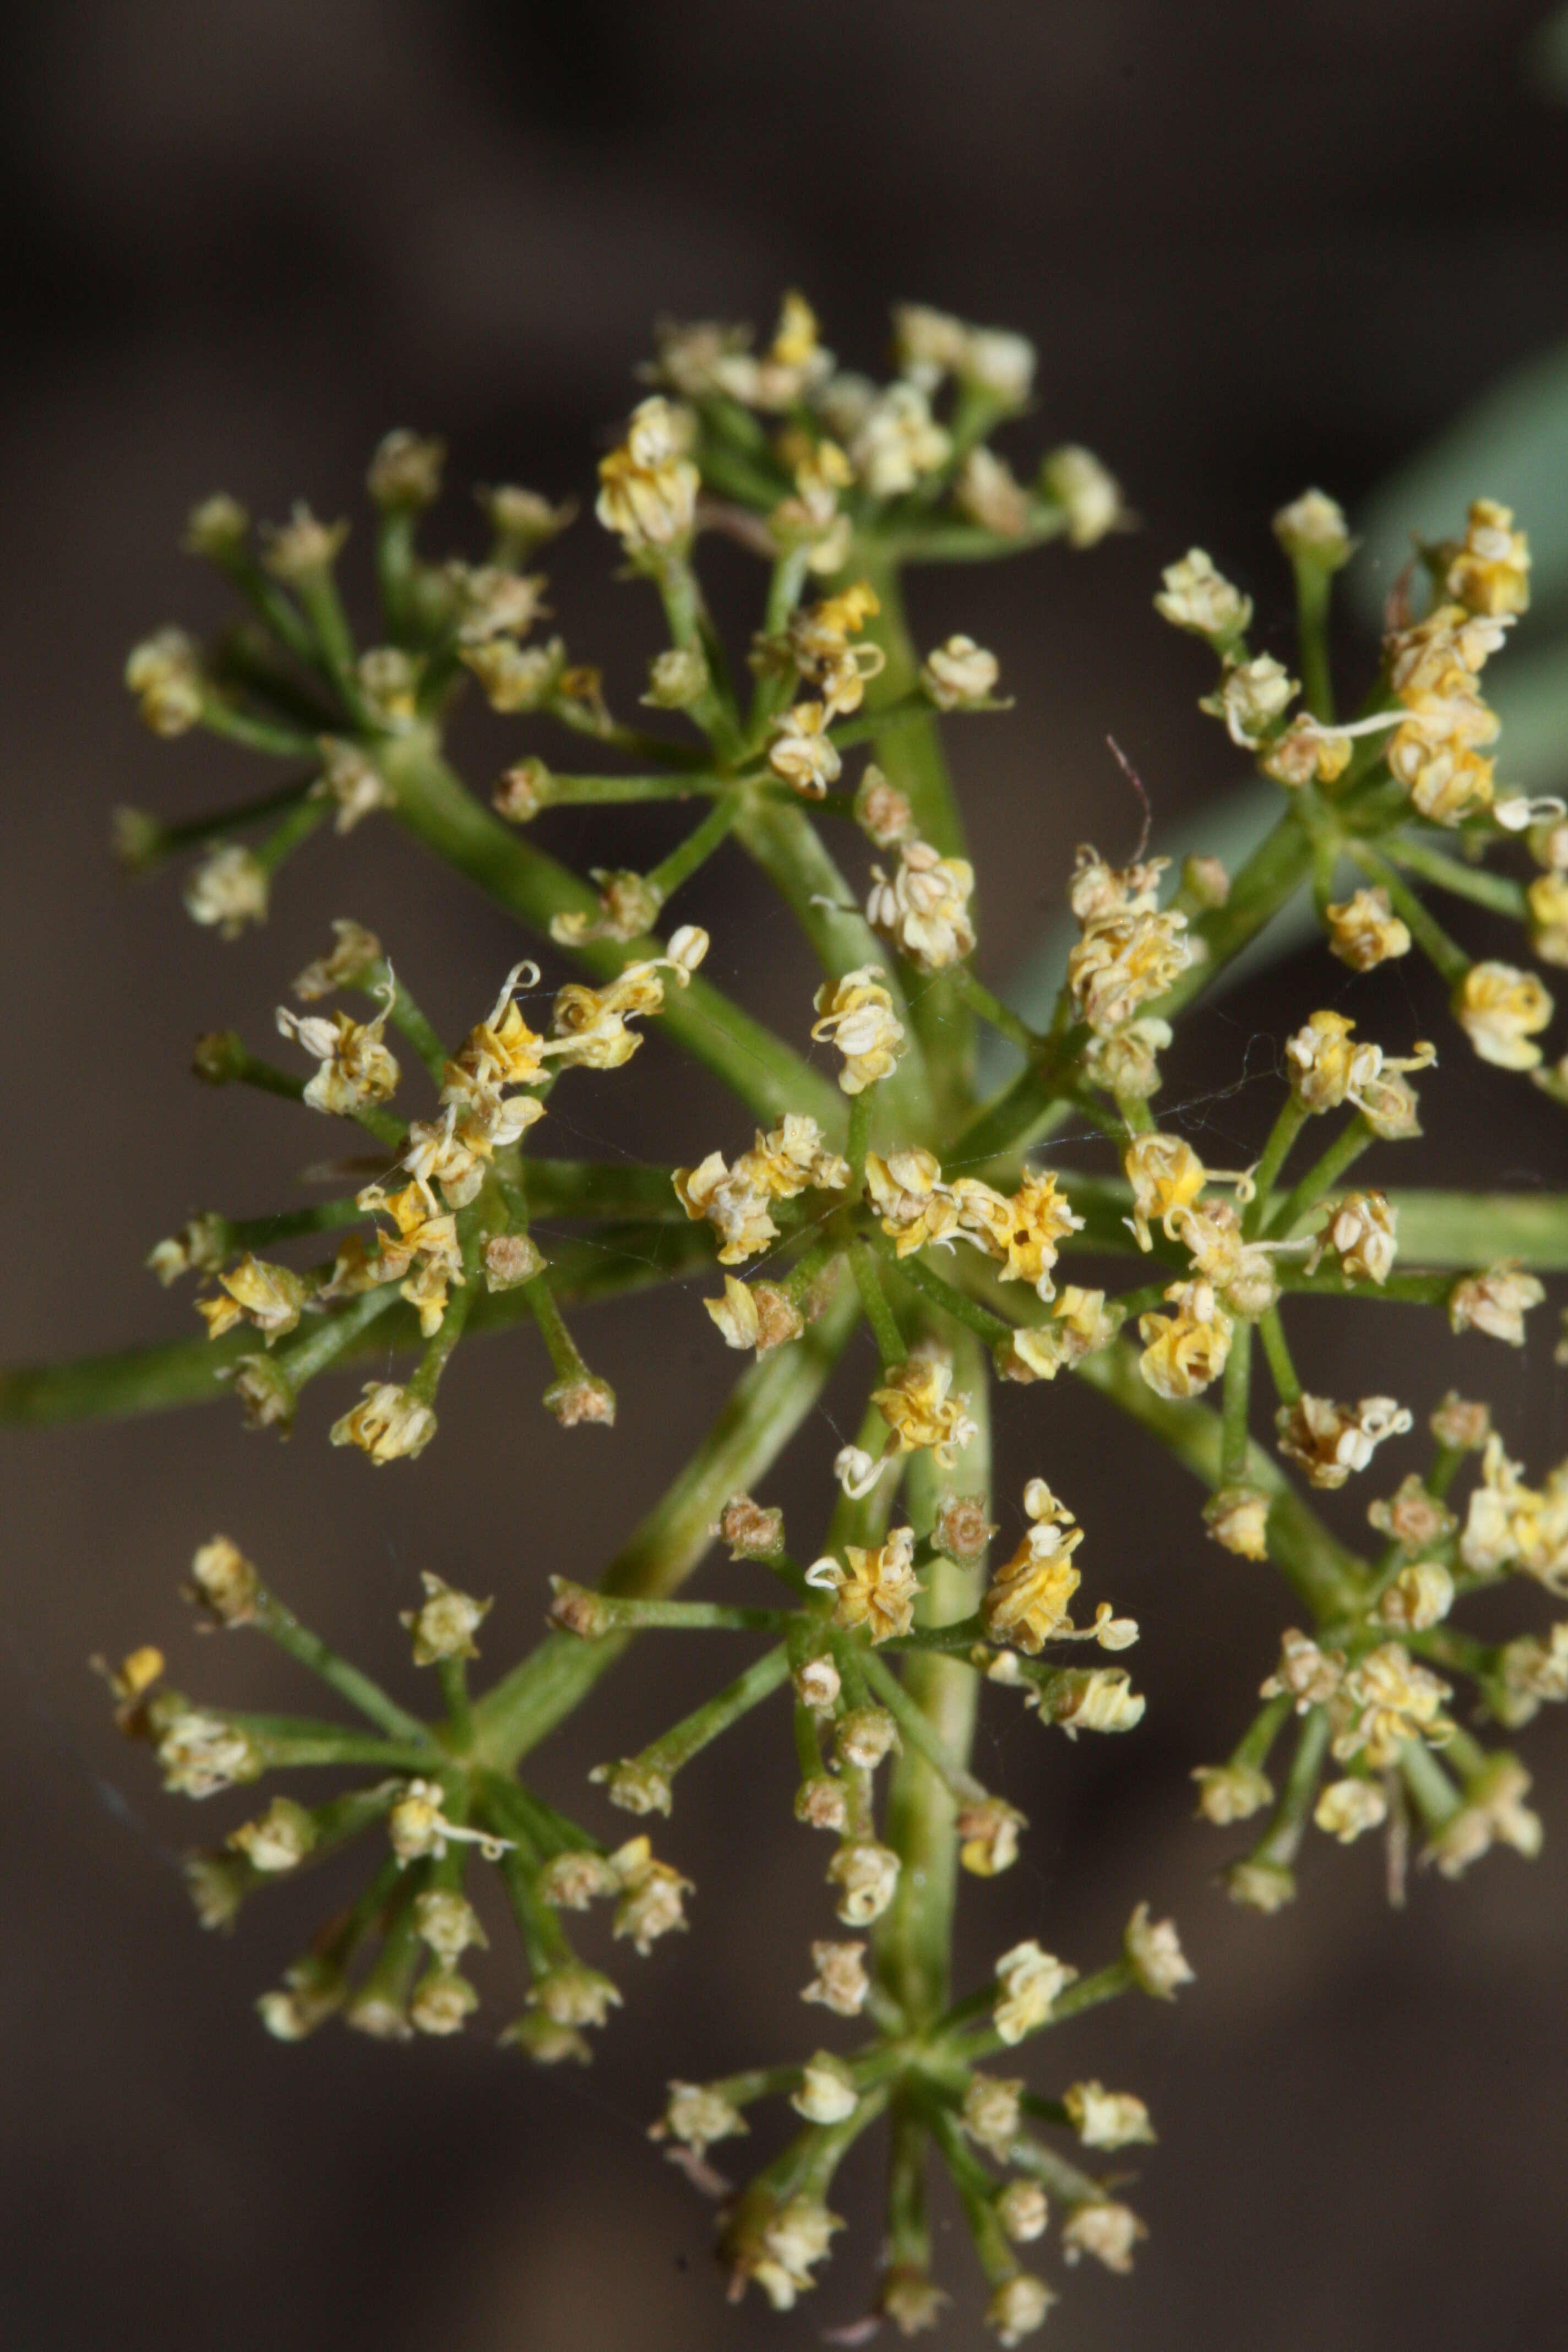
(919, 1411)
(388, 1423)
(1312, 529)
(648, 493)
(1306, 752)
(858, 1016)
(876, 1589)
(1489, 572)
(1039, 1217)
(924, 909)
(763, 1316)
(1166, 1175)
(588, 1025)
(446, 1625)
(802, 752)
(991, 2114)
(988, 1835)
(256, 1291)
(1502, 1011)
(1079, 1327)
(907, 1192)
(1029, 1597)
(1390, 1700)
(1548, 900)
(989, 493)
(1237, 1517)
(1420, 1596)
(1231, 1792)
(1327, 1069)
(355, 1066)
(227, 1583)
(1184, 1353)
(1018, 2306)
(1331, 1440)
(1365, 931)
(1124, 961)
(279, 1841)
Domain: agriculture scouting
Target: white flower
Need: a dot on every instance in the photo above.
(1030, 1980)
(228, 890)
(826, 2093)
(1154, 1953)
(1198, 598)
(959, 674)
(1252, 694)
(1088, 497)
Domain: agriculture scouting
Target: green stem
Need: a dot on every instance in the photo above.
(1446, 954)
(912, 1722)
(698, 846)
(874, 1302)
(1281, 1370)
(1313, 582)
(1105, 1984)
(306, 1649)
(706, 1723)
(913, 1936)
(433, 806)
(1293, 1117)
(1494, 891)
(221, 717)
(1238, 1390)
(767, 1407)
(1320, 1179)
(1278, 1847)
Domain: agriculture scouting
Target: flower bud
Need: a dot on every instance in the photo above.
(405, 471)
(865, 1736)
(1265, 1887)
(826, 2093)
(1230, 1793)
(636, 1786)
(279, 1840)
(676, 679)
(583, 1398)
(522, 791)
(821, 1803)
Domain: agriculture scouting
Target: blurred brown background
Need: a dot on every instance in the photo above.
(1256, 248)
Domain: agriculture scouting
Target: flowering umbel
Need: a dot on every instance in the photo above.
(903, 1224)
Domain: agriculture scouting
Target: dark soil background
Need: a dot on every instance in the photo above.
(1256, 248)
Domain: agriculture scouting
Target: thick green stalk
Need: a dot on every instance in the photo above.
(914, 1935)
(767, 1407)
(911, 758)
